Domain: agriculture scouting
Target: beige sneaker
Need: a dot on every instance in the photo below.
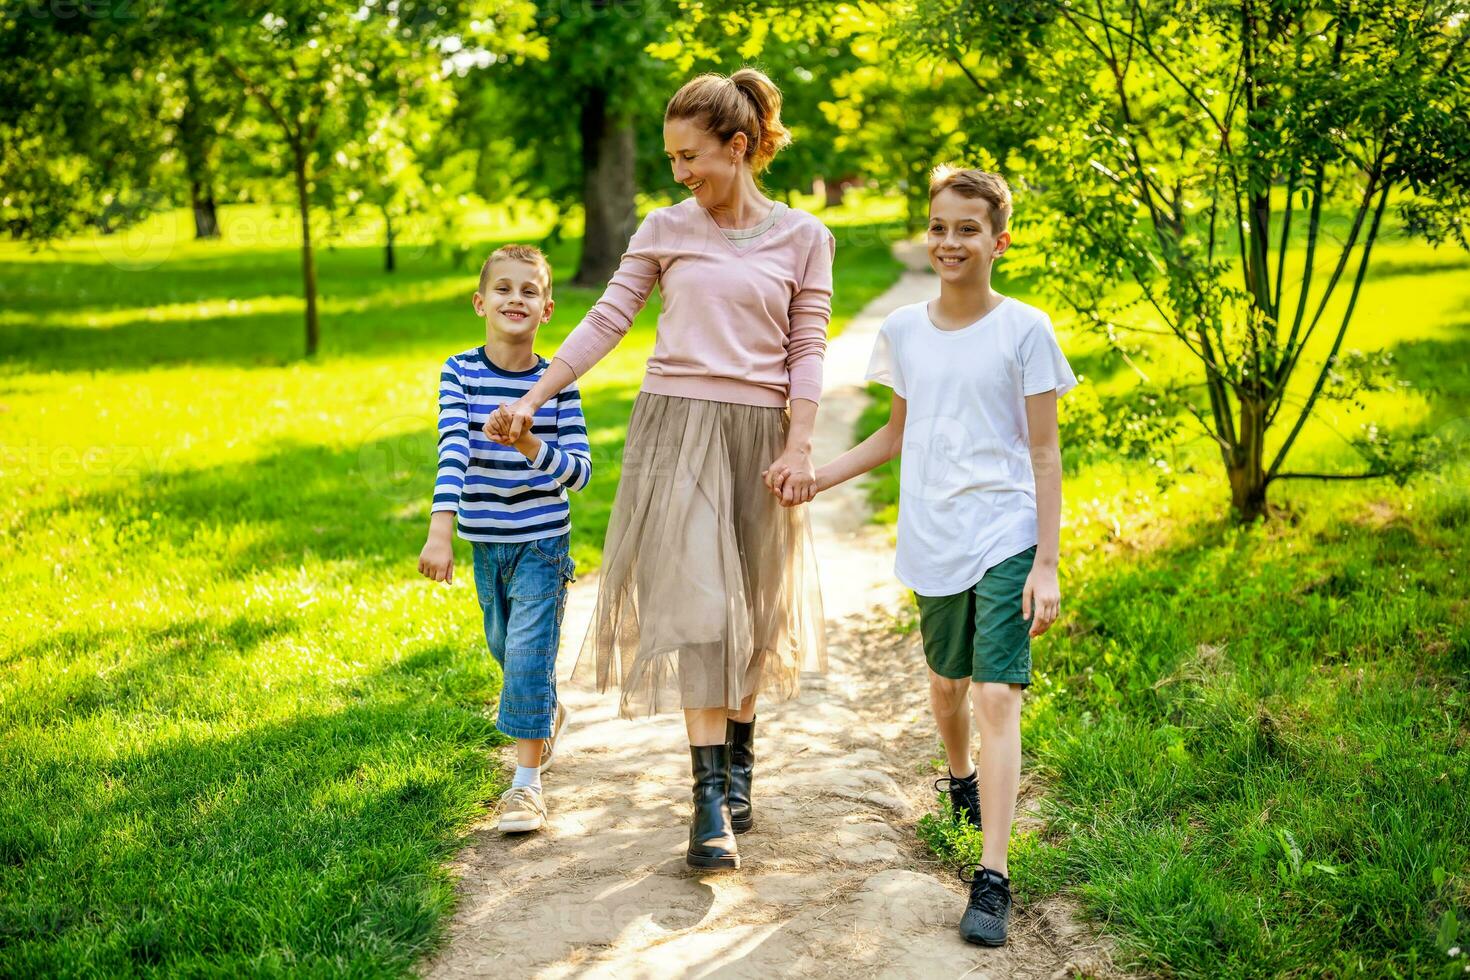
(548, 747)
(521, 809)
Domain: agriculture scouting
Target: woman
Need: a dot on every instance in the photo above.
(709, 592)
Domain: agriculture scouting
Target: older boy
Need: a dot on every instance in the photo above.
(511, 501)
(975, 378)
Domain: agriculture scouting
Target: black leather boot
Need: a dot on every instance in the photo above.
(711, 838)
(741, 737)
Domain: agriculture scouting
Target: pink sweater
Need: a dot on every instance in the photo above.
(745, 326)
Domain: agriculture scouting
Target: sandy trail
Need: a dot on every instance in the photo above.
(833, 880)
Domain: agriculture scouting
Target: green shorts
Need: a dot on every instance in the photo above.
(980, 633)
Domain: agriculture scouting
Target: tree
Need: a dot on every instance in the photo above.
(205, 109)
(902, 120)
(1211, 156)
(322, 74)
(381, 169)
(105, 115)
(80, 130)
(570, 118)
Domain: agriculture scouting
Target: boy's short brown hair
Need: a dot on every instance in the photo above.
(978, 185)
(520, 253)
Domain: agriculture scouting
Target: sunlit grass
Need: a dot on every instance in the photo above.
(241, 732)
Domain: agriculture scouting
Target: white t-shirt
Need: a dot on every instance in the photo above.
(967, 496)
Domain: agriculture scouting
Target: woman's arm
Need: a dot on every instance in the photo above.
(791, 476)
(809, 313)
(1042, 594)
(604, 326)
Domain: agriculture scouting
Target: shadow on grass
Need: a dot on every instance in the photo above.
(1441, 366)
(158, 672)
(1387, 268)
(56, 290)
(311, 840)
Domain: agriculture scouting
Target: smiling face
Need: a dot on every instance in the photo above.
(708, 167)
(515, 300)
(962, 247)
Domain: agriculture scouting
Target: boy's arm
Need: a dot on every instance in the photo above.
(871, 453)
(1042, 592)
(569, 462)
(437, 558)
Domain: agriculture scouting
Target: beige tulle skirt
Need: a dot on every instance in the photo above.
(709, 588)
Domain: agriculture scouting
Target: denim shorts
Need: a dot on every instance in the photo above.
(522, 589)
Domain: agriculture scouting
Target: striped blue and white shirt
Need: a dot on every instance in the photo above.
(499, 494)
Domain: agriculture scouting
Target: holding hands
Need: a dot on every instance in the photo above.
(511, 422)
(792, 478)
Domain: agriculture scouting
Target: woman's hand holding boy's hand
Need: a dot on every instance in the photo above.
(1041, 600)
(791, 478)
(512, 420)
(498, 428)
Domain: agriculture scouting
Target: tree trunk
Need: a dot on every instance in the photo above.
(388, 262)
(917, 195)
(308, 264)
(609, 150)
(835, 191)
(1244, 463)
(195, 138)
(206, 219)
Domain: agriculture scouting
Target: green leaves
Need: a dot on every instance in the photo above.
(1168, 145)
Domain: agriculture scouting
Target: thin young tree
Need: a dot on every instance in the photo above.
(321, 75)
(1232, 164)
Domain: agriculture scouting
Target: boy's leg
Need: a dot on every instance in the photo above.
(537, 597)
(534, 576)
(946, 625)
(998, 712)
(490, 589)
(521, 808)
(1002, 669)
(492, 586)
(948, 698)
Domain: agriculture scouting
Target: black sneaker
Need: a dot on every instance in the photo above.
(964, 796)
(989, 911)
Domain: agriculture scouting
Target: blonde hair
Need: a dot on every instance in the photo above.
(746, 102)
(520, 253)
(979, 185)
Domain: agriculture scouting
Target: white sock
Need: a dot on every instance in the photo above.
(527, 776)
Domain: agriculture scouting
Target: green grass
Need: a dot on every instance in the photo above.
(240, 733)
(1256, 741)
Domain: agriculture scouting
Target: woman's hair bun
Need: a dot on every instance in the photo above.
(746, 102)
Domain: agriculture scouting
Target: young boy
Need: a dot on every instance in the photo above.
(975, 378)
(511, 502)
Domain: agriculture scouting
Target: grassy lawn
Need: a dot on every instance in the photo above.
(240, 733)
(1257, 741)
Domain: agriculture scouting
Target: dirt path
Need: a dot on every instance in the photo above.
(833, 880)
